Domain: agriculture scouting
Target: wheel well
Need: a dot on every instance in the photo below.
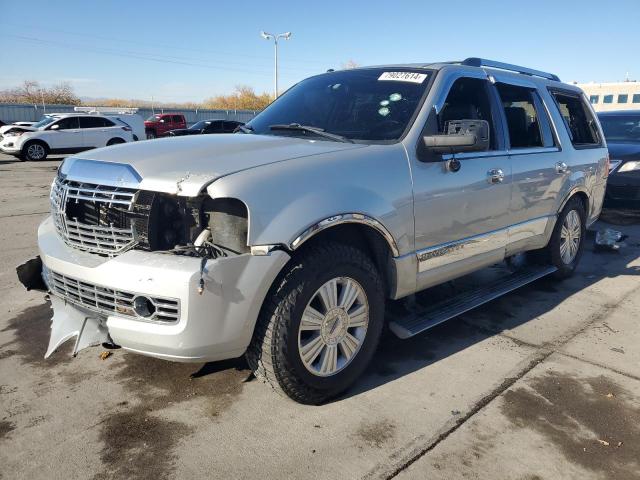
(583, 198)
(115, 140)
(36, 140)
(365, 238)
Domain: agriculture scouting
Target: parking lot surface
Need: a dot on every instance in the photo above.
(543, 383)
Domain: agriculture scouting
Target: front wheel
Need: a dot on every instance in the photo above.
(321, 324)
(151, 134)
(34, 151)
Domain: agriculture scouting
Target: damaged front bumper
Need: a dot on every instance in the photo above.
(98, 299)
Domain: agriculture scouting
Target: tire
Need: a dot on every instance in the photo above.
(34, 151)
(571, 223)
(151, 134)
(275, 353)
(115, 141)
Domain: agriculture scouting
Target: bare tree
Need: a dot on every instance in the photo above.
(349, 64)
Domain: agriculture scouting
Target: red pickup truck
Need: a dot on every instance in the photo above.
(158, 125)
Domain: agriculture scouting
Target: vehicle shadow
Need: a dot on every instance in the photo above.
(396, 358)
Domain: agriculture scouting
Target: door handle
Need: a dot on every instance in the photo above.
(495, 175)
(561, 167)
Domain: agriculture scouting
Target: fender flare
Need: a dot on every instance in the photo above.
(344, 218)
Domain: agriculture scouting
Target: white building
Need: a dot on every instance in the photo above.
(613, 96)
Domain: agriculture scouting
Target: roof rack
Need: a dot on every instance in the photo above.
(117, 110)
(483, 62)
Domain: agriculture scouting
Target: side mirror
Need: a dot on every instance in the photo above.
(54, 127)
(462, 136)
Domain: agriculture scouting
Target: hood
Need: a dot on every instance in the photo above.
(624, 150)
(4, 129)
(185, 165)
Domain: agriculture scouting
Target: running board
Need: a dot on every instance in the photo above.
(421, 320)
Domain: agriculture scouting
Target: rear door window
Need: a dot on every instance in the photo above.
(177, 119)
(527, 122)
(91, 122)
(578, 119)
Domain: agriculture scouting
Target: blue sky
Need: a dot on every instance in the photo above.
(190, 50)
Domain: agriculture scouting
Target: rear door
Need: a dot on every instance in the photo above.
(214, 127)
(534, 152)
(94, 131)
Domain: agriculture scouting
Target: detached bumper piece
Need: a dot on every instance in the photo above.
(69, 322)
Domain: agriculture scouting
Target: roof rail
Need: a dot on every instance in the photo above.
(117, 110)
(483, 62)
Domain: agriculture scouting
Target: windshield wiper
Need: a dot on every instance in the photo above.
(315, 130)
(244, 129)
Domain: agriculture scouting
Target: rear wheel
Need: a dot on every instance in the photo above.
(321, 324)
(34, 151)
(567, 240)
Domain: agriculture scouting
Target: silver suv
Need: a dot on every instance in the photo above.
(284, 241)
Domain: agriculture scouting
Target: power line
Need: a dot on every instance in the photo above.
(156, 45)
(134, 55)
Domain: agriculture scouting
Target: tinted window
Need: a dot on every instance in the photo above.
(229, 127)
(371, 104)
(623, 98)
(636, 98)
(214, 127)
(521, 115)
(109, 123)
(177, 119)
(607, 99)
(621, 128)
(91, 122)
(578, 119)
(594, 98)
(68, 123)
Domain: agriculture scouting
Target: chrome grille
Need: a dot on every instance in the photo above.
(100, 235)
(107, 301)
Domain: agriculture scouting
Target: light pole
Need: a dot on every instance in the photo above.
(275, 37)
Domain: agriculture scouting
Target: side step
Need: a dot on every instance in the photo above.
(421, 320)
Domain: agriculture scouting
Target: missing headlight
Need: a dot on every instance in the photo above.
(228, 220)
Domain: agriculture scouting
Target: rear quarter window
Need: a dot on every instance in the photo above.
(578, 119)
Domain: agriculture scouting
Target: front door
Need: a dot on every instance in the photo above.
(67, 136)
(461, 201)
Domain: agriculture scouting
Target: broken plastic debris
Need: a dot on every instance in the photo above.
(609, 239)
(610, 395)
(603, 442)
(104, 355)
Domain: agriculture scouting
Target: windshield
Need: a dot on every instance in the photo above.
(370, 104)
(44, 121)
(199, 126)
(621, 128)
(153, 118)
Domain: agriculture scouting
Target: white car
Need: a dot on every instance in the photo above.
(66, 133)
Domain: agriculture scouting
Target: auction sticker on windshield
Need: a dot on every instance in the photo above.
(403, 77)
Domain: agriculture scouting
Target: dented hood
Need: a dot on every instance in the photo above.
(185, 165)
(18, 128)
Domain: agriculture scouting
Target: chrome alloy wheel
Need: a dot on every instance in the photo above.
(35, 151)
(333, 326)
(570, 237)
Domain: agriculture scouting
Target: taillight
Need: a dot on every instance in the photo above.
(127, 129)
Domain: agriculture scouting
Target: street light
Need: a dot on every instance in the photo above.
(269, 36)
